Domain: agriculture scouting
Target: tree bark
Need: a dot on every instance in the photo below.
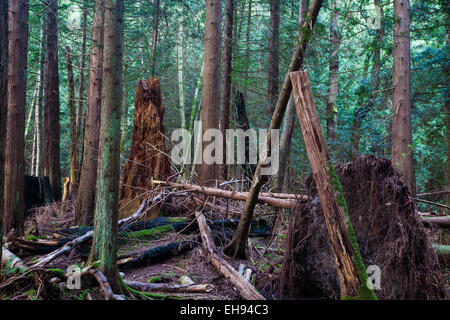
(14, 182)
(333, 83)
(85, 202)
(247, 48)
(208, 173)
(3, 104)
(402, 153)
(274, 53)
(349, 265)
(51, 113)
(155, 37)
(73, 126)
(226, 74)
(104, 246)
(237, 246)
(81, 84)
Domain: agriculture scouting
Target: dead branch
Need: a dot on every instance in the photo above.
(245, 289)
(436, 193)
(442, 222)
(278, 200)
(166, 287)
(432, 203)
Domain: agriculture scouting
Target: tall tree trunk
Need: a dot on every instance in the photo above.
(155, 37)
(51, 114)
(446, 73)
(3, 104)
(237, 246)
(226, 74)
(81, 84)
(85, 203)
(402, 153)
(333, 83)
(123, 140)
(180, 68)
(73, 126)
(210, 91)
(39, 119)
(14, 205)
(274, 53)
(104, 245)
(247, 48)
(289, 119)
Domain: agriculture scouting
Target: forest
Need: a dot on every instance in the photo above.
(224, 150)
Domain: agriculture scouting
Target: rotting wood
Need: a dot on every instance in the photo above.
(167, 287)
(349, 265)
(10, 261)
(239, 282)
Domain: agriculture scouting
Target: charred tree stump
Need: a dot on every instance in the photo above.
(148, 157)
(349, 264)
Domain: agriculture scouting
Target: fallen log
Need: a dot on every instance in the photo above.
(10, 261)
(436, 193)
(167, 287)
(443, 252)
(264, 198)
(239, 282)
(155, 254)
(441, 222)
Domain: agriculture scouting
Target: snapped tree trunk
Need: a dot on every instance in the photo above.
(208, 173)
(237, 246)
(14, 182)
(148, 155)
(349, 264)
(85, 202)
(402, 152)
(51, 152)
(104, 242)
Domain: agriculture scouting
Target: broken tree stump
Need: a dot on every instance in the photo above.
(349, 264)
(148, 156)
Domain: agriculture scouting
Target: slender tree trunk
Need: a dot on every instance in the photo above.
(155, 37)
(104, 245)
(14, 205)
(210, 91)
(247, 48)
(446, 72)
(73, 126)
(274, 53)
(237, 246)
(402, 153)
(180, 68)
(226, 74)
(39, 120)
(81, 84)
(333, 83)
(51, 114)
(3, 105)
(123, 140)
(85, 203)
(289, 118)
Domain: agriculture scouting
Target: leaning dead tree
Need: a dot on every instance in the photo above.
(236, 247)
(148, 156)
(342, 239)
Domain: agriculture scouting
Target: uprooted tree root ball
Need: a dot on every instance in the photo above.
(388, 232)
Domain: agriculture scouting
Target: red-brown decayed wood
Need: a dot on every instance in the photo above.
(148, 156)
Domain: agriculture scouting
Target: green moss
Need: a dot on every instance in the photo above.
(32, 238)
(149, 234)
(155, 280)
(176, 219)
(364, 291)
(57, 273)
